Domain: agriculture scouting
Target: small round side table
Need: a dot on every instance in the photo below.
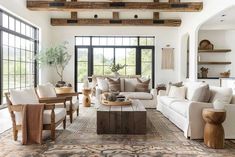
(214, 131)
(86, 97)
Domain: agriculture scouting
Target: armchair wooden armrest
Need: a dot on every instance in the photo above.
(68, 94)
(52, 100)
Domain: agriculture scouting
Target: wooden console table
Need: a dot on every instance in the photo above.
(129, 119)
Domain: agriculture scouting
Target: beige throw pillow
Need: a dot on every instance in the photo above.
(130, 84)
(103, 84)
(199, 92)
(177, 92)
(177, 84)
(142, 86)
(114, 85)
(222, 94)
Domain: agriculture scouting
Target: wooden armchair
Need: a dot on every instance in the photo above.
(72, 99)
(52, 117)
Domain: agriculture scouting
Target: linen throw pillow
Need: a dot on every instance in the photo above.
(130, 84)
(26, 96)
(45, 91)
(114, 85)
(199, 92)
(103, 84)
(177, 92)
(222, 94)
(142, 86)
(177, 84)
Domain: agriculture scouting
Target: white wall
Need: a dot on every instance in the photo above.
(38, 19)
(164, 36)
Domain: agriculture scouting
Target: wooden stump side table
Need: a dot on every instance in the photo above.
(214, 131)
(86, 97)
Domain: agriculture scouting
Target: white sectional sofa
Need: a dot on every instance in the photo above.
(187, 114)
(127, 86)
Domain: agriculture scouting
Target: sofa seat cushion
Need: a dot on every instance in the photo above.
(137, 95)
(180, 107)
(166, 100)
(59, 114)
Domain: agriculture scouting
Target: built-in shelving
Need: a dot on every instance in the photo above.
(215, 63)
(215, 51)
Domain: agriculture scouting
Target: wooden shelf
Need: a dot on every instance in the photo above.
(217, 63)
(212, 78)
(215, 51)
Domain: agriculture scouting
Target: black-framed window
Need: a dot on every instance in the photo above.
(94, 54)
(18, 45)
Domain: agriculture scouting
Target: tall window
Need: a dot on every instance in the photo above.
(18, 46)
(95, 54)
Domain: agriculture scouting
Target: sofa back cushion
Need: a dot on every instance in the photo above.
(233, 100)
(177, 92)
(197, 91)
(221, 93)
(130, 84)
(114, 85)
(142, 85)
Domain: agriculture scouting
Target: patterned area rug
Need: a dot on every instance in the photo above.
(163, 139)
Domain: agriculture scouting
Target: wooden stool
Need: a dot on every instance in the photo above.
(86, 97)
(214, 131)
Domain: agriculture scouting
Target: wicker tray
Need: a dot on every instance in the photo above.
(63, 90)
(116, 103)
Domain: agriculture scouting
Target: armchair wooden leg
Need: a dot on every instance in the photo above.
(53, 133)
(71, 116)
(64, 123)
(15, 134)
(77, 111)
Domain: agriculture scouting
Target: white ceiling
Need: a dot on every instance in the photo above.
(224, 20)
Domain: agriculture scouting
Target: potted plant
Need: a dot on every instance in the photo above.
(57, 57)
(115, 68)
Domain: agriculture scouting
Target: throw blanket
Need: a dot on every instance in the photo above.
(32, 124)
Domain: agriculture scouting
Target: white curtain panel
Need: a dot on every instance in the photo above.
(168, 58)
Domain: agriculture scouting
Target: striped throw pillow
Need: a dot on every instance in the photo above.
(142, 86)
(114, 85)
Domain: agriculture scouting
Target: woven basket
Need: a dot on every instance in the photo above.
(63, 90)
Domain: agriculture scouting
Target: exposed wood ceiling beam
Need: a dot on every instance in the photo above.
(114, 6)
(114, 22)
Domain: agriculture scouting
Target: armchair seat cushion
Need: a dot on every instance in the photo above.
(137, 95)
(75, 105)
(60, 113)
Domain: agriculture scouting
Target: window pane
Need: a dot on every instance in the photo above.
(110, 41)
(22, 28)
(146, 70)
(5, 67)
(5, 38)
(11, 67)
(130, 70)
(17, 68)
(86, 41)
(146, 55)
(79, 41)
(11, 40)
(120, 56)
(11, 53)
(103, 41)
(95, 40)
(5, 52)
(28, 30)
(133, 41)
(150, 41)
(107, 70)
(23, 68)
(98, 56)
(17, 26)
(5, 20)
(17, 81)
(11, 81)
(143, 41)
(5, 81)
(108, 56)
(118, 41)
(82, 70)
(82, 54)
(130, 57)
(126, 41)
(11, 23)
(22, 81)
(98, 70)
(17, 54)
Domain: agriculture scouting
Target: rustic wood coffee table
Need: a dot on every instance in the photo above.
(129, 119)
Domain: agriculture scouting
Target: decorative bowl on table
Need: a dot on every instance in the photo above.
(111, 99)
(62, 90)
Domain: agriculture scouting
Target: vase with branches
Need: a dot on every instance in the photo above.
(57, 57)
(116, 67)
